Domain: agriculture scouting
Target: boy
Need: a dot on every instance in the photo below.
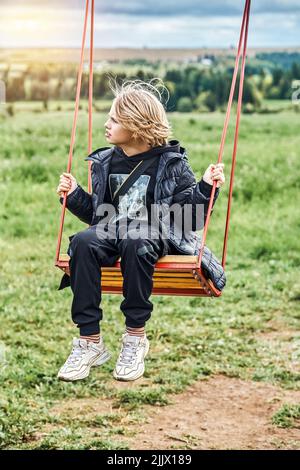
(139, 130)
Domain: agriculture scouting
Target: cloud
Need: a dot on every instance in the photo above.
(139, 23)
(195, 7)
(265, 30)
(168, 7)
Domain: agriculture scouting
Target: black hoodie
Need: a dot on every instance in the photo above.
(141, 194)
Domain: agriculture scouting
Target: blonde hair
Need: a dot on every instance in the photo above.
(139, 109)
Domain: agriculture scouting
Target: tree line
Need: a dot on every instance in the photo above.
(191, 86)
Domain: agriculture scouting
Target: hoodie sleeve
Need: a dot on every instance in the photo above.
(188, 191)
(79, 202)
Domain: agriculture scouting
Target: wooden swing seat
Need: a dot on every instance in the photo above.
(173, 275)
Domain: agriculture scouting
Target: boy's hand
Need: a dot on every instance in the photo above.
(67, 183)
(215, 173)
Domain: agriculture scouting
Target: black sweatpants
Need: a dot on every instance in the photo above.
(88, 253)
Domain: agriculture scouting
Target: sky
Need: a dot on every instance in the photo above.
(146, 23)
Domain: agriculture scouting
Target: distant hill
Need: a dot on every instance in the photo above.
(60, 55)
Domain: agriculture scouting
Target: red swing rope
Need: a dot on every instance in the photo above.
(242, 43)
(91, 77)
(75, 119)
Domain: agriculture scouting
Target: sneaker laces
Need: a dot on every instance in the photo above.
(77, 353)
(128, 352)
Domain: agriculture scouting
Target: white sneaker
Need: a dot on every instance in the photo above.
(85, 354)
(130, 365)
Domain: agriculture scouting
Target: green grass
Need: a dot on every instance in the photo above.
(191, 338)
(287, 416)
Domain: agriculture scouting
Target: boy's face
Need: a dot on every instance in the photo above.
(115, 133)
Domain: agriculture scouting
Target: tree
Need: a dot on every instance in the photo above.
(210, 101)
(185, 105)
(295, 71)
(285, 88)
(277, 76)
(251, 93)
(173, 75)
(15, 90)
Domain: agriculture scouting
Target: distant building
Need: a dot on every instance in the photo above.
(206, 61)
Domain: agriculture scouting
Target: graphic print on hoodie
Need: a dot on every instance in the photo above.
(133, 204)
(136, 203)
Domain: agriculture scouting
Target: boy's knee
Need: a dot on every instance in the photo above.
(145, 249)
(131, 244)
(139, 247)
(82, 239)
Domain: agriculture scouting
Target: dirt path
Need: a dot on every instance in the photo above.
(218, 413)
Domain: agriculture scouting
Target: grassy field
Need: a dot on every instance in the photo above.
(191, 338)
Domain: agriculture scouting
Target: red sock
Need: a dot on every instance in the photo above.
(92, 338)
(135, 331)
